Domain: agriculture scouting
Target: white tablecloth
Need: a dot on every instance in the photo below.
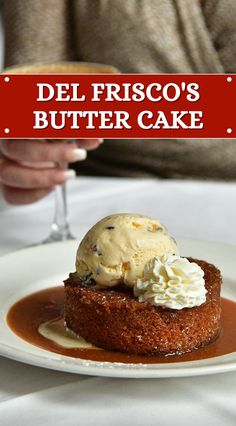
(34, 396)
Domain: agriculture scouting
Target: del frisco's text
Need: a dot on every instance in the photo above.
(91, 116)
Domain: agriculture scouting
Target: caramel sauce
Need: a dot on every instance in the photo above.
(26, 315)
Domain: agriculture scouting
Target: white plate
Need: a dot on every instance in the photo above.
(40, 267)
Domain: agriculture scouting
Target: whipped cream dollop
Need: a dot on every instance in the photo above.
(172, 282)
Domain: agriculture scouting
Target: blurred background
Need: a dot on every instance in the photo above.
(155, 36)
(1, 35)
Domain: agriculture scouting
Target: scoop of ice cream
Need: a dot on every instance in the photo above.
(171, 282)
(117, 248)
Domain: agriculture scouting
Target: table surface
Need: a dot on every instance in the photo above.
(31, 395)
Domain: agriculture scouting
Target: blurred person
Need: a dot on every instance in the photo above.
(136, 36)
(1, 35)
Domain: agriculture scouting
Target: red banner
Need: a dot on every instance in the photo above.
(117, 106)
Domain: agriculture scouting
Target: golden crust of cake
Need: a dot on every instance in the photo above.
(116, 320)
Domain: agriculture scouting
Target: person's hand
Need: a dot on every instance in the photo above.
(27, 167)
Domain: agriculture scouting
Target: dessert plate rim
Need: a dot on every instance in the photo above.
(40, 267)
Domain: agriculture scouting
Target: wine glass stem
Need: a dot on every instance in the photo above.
(60, 230)
(60, 226)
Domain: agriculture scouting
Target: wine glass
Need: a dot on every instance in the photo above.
(60, 229)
